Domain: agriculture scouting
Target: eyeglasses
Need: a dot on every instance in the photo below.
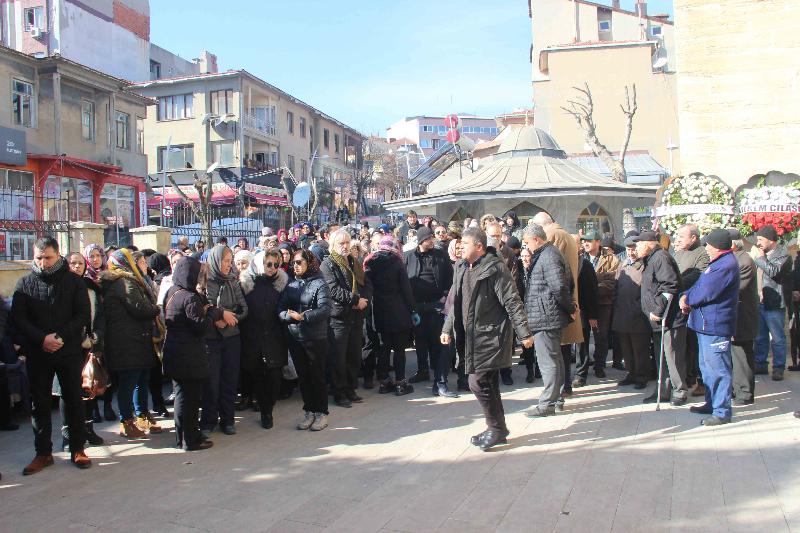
(297, 262)
(440, 232)
(271, 265)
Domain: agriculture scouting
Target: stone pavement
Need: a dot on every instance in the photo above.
(607, 463)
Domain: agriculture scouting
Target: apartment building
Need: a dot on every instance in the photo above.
(79, 134)
(430, 133)
(249, 128)
(577, 42)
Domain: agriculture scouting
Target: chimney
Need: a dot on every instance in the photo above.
(641, 8)
(615, 4)
(208, 63)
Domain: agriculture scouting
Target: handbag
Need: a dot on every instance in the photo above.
(93, 377)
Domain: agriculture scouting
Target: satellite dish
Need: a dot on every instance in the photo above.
(207, 119)
(301, 194)
(220, 120)
(212, 168)
(660, 62)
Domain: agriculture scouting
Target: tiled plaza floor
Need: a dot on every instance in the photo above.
(608, 463)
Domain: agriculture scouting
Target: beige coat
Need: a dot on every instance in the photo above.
(564, 242)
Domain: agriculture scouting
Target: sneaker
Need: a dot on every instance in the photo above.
(404, 388)
(715, 420)
(777, 375)
(307, 421)
(147, 422)
(441, 389)
(387, 386)
(421, 375)
(559, 407)
(578, 383)
(129, 429)
(537, 412)
(320, 422)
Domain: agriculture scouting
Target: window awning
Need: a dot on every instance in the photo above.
(269, 200)
(218, 197)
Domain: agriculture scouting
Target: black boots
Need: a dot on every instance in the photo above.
(108, 413)
(266, 420)
(91, 437)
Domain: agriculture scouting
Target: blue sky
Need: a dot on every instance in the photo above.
(365, 63)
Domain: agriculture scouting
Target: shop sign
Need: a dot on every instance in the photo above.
(640, 212)
(142, 209)
(693, 209)
(13, 150)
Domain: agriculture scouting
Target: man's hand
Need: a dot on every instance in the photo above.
(593, 323)
(527, 342)
(51, 344)
(221, 324)
(229, 318)
(796, 296)
(685, 308)
(22, 358)
(445, 338)
(758, 252)
(362, 303)
(655, 318)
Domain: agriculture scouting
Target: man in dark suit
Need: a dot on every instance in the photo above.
(743, 354)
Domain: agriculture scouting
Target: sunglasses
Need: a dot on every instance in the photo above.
(271, 265)
(440, 232)
(297, 262)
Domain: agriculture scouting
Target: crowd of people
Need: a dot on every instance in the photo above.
(318, 308)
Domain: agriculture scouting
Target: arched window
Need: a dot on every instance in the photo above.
(594, 218)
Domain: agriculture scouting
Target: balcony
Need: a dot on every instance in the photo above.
(260, 128)
(258, 165)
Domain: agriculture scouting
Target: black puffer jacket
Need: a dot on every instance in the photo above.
(661, 275)
(58, 304)
(442, 269)
(549, 301)
(187, 323)
(340, 285)
(392, 300)
(306, 293)
(129, 322)
(263, 335)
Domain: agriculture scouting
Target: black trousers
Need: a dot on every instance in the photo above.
(348, 337)
(5, 401)
(446, 360)
(266, 385)
(743, 357)
(88, 407)
(636, 352)
(188, 394)
(426, 340)
(41, 371)
(582, 367)
(486, 388)
(369, 352)
(601, 336)
(309, 361)
(393, 341)
(156, 385)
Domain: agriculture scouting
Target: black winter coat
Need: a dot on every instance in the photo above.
(187, 323)
(442, 269)
(340, 285)
(549, 301)
(627, 298)
(305, 241)
(263, 335)
(306, 293)
(402, 233)
(58, 303)
(661, 275)
(392, 300)
(587, 289)
(129, 322)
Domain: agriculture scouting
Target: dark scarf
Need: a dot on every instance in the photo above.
(49, 271)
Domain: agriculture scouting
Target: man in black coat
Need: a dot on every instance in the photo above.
(51, 310)
(320, 248)
(659, 277)
(588, 304)
(410, 223)
(742, 353)
(431, 276)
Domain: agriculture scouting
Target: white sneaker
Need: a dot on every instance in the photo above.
(320, 422)
(307, 421)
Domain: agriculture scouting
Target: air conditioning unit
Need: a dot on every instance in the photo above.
(36, 32)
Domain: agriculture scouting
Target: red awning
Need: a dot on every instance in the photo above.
(174, 199)
(269, 200)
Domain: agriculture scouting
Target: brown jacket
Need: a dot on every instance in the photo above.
(566, 244)
(606, 271)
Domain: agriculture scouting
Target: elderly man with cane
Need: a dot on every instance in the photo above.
(712, 304)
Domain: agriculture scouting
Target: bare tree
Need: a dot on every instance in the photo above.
(582, 111)
(201, 211)
(382, 157)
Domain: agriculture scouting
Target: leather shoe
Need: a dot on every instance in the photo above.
(652, 398)
(206, 444)
(38, 463)
(462, 386)
(715, 420)
(441, 389)
(492, 438)
(600, 373)
(530, 377)
(109, 414)
(738, 402)
(266, 420)
(618, 366)
(537, 412)
(245, 404)
(81, 460)
(353, 397)
(476, 440)
(699, 391)
(342, 401)
(677, 402)
(640, 386)
(701, 410)
(421, 375)
(507, 380)
(369, 383)
(625, 382)
(170, 399)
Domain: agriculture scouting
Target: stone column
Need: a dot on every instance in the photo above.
(157, 238)
(82, 234)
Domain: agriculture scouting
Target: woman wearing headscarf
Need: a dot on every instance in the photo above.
(160, 264)
(393, 307)
(188, 317)
(513, 225)
(283, 236)
(130, 308)
(264, 352)
(223, 343)
(305, 306)
(306, 239)
(296, 232)
(351, 293)
(241, 260)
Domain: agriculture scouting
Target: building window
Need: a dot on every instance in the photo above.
(67, 199)
(34, 18)
(117, 210)
(336, 142)
(326, 138)
(290, 163)
(302, 169)
(327, 176)
(302, 128)
(22, 103)
(605, 25)
(139, 135)
(655, 30)
(222, 103)
(427, 128)
(436, 143)
(123, 130)
(155, 70)
(180, 157)
(87, 121)
(425, 143)
(176, 107)
(223, 153)
(290, 122)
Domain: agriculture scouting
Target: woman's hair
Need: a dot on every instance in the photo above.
(276, 254)
(311, 260)
(202, 277)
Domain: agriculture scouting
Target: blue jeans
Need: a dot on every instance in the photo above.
(716, 365)
(771, 323)
(131, 381)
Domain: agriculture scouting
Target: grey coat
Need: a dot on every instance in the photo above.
(776, 285)
(227, 296)
(548, 299)
(747, 315)
(484, 338)
(627, 298)
(692, 263)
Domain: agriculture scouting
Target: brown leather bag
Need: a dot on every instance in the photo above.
(94, 379)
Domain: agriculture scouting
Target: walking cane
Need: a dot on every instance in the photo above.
(661, 353)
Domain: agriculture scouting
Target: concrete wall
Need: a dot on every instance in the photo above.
(738, 63)
(172, 66)
(608, 71)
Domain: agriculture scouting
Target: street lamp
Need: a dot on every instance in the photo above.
(311, 177)
(671, 147)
